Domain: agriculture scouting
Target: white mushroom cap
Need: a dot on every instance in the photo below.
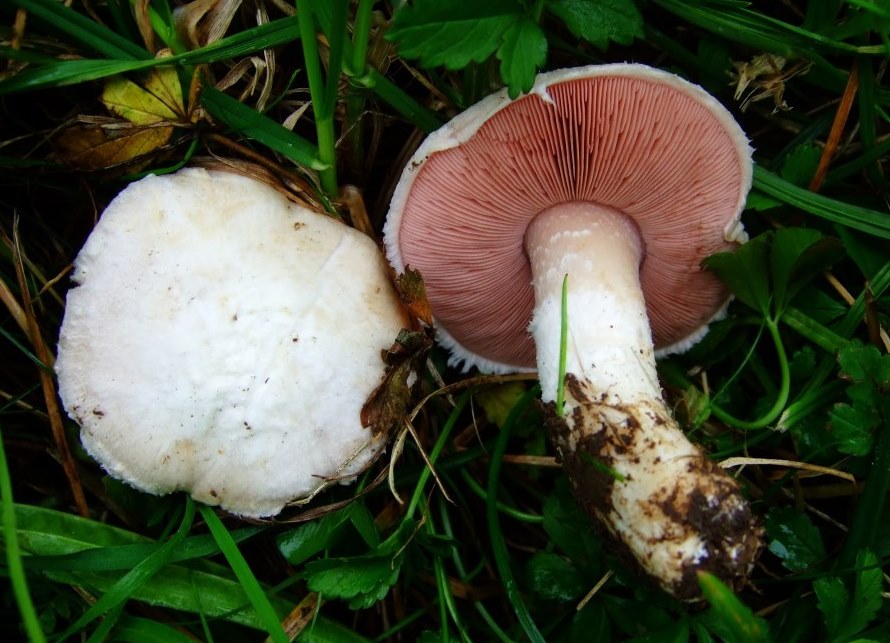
(222, 340)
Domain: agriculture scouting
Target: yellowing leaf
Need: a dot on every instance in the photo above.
(163, 83)
(141, 106)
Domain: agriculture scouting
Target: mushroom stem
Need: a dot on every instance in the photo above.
(630, 465)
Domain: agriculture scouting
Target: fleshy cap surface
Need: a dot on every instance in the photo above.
(643, 141)
(222, 340)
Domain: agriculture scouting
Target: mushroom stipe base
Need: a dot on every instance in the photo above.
(670, 519)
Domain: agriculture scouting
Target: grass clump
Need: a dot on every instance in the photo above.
(790, 389)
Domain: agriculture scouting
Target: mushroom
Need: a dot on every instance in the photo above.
(622, 178)
(222, 340)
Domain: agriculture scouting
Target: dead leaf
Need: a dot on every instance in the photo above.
(387, 406)
(412, 293)
(766, 76)
(96, 147)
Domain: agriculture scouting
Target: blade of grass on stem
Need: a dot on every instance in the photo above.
(243, 573)
(14, 567)
(498, 545)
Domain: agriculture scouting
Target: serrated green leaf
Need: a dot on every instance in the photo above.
(854, 424)
(846, 616)
(306, 540)
(522, 52)
(452, 33)
(735, 620)
(599, 21)
(758, 201)
(866, 364)
(796, 257)
(867, 593)
(553, 577)
(852, 427)
(569, 528)
(800, 165)
(362, 580)
(794, 538)
(833, 601)
(746, 272)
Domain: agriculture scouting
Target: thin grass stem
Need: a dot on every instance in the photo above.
(243, 573)
(318, 90)
(498, 544)
(15, 569)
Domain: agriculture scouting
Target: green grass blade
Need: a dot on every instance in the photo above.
(870, 221)
(266, 613)
(87, 32)
(52, 72)
(139, 575)
(563, 336)
(434, 454)
(142, 630)
(498, 544)
(127, 556)
(14, 567)
(250, 123)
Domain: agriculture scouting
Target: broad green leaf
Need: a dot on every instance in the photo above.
(306, 540)
(569, 528)
(846, 615)
(553, 577)
(362, 580)
(797, 256)
(833, 601)
(794, 539)
(735, 620)
(758, 201)
(143, 630)
(599, 21)
(522, 52)
(852, 428)
(452, 33)
(868, 372)
(867, 592)
(590, 625)
(746, 272)
(800, 165)
(45, 532)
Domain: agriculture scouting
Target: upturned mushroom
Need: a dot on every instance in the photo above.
(222, 340)
(622, 178)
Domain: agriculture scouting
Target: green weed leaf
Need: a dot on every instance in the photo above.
(846, 615)
(734, 620)
(796, 257)
(854, 424)
(794, 538)
(852, 428)
(362, 580)
(599, 21)
(303, 542)
(746, 272)
(800, 165)
(553, 577)
(833, 601)
(522, 52)
(452, 33)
